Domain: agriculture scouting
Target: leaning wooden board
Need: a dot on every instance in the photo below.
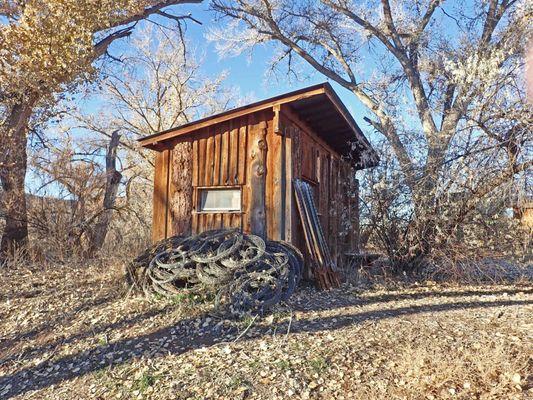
(324, 268)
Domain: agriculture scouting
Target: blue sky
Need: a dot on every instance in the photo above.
(245, 72)
(248, 73)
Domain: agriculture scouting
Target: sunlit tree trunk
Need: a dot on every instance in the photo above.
(37, 61)
(13, 165)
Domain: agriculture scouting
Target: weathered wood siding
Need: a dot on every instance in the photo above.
(160, 200)
(255, 206)
(219, 160)
(180, 189)
(314, 161)
(261, 155)
(231, 154)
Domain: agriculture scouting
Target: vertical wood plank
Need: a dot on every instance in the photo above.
(297, 174)
(195, 162)
(222, 221)
(256, 203)
(171, 190)
(160, 197)
(233, 152)
(210, 159)
(273, 197)
(219, 221)
(180, 192)
(235, 220)
(198, 224)
(288, 206)
(244, 156)
(333, 200)
(324, 188)
(203, 223)
(202, 144)
(242, 150)
(217, 156)
(196, 157)
(224, 155)
(194, 224)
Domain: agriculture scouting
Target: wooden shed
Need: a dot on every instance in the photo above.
(236, 169)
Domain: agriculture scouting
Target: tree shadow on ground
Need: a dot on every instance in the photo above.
(122, 323)
(51, 324)
(183, 340)
(352, 299)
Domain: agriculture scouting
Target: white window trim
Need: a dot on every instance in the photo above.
(202, 189)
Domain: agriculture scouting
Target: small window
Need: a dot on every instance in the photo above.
(214, 200)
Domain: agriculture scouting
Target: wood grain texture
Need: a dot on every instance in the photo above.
(217, 155)
(224, 157)
(233, 153)
(273, 196)
(311, 160)
(289, 198)
(219, 160)
(202, 161)
(180, 190)
(247, 153)
(160, 198)
(334, 195)
(257, 166)
(242, 151)
(210, 157)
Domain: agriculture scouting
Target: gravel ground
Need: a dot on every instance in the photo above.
(72, 332)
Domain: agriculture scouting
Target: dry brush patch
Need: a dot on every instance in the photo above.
(71, 332)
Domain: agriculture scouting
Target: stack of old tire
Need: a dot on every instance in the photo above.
(248, 274)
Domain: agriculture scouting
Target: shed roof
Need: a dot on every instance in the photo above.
(318, 106)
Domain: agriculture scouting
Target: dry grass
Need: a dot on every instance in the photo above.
(71, 332)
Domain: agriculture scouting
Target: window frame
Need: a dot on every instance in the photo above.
(198, 202)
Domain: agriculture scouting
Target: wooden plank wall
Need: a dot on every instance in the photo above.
(314, 161)
(255, 206)
(180, 190)
(230, 154)
(335, 196)
(160, 197)
(297, 237)
(286, 187)
(221, 157)
(246, 153)
(276, 185)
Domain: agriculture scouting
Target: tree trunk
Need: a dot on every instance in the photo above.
(13, 166)
(113, 178)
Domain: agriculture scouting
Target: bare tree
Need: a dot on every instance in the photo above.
(158, 85)
(113, 177)
(442, 81)
(48, 47)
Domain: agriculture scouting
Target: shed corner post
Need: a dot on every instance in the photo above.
(160, 196)
(258, 151)
(276, 120)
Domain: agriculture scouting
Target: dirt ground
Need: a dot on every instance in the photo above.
(73, 332)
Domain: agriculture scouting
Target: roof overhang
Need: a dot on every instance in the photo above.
(318, 106)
